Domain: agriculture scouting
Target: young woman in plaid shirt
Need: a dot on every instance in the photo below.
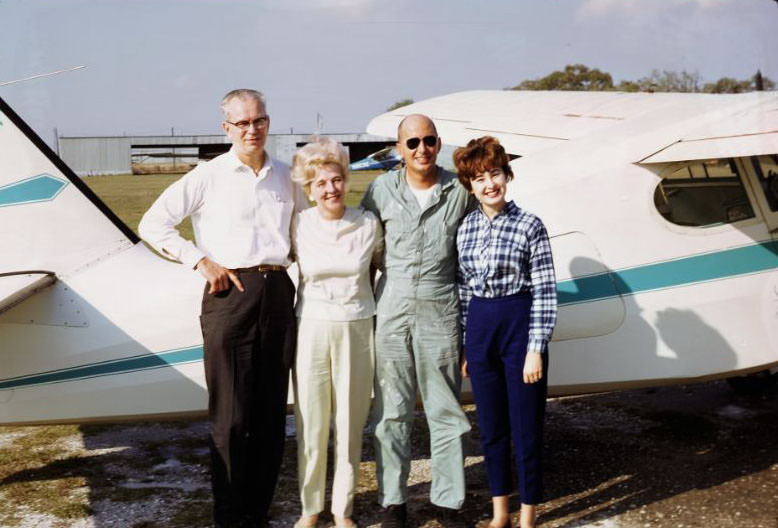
(507, 293)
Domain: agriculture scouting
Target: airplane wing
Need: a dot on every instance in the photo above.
(527, 122)
(51, 223)
(749, 130)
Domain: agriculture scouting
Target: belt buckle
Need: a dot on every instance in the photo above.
(263, 268)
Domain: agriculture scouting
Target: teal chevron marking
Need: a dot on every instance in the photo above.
(108, 368)
(699, 268)
(40, 188)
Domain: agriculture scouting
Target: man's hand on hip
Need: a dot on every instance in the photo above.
(217, 276)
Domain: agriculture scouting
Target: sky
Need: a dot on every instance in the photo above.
(156, 66)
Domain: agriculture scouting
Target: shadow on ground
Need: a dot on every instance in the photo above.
(696, 455)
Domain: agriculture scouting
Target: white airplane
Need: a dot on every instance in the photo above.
(662, 208)
(385, 159)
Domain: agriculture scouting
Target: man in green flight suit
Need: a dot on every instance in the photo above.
(417, 329)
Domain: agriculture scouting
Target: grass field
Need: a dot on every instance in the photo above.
(129, 196)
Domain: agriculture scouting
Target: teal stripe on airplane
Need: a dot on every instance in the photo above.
(40, 188)
(699, 268)
(107, 368)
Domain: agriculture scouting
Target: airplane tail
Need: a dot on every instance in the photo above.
(51, 223)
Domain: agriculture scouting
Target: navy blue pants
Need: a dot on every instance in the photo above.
(496, 346)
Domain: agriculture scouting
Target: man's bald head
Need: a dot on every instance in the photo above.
(418, 144)
(415, 119)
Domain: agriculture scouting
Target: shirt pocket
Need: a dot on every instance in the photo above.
(278, 212)
(399, 240)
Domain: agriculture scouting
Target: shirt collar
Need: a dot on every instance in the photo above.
(510, 209)
(237, 165)
(445, 181)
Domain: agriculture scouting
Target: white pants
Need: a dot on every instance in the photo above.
(333, 378)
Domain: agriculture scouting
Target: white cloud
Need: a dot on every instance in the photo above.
(346, 7)
(643, 8)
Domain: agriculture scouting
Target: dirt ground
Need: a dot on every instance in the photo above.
(684, 456)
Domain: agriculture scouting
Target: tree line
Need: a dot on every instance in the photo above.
(578, 77)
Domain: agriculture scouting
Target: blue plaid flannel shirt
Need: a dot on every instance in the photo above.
(507, 255)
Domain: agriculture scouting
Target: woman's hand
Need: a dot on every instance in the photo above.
(465, 372)
(533, 367)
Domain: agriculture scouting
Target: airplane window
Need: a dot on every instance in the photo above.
(766, 168)
(696, 171)
(703, 194)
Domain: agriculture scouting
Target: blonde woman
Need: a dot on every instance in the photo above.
(334, 246)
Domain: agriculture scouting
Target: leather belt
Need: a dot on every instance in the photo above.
(261, 268)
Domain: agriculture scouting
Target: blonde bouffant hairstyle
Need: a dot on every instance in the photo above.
(310, 158)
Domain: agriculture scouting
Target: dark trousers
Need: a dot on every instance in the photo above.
(496, 346)
(249, 342)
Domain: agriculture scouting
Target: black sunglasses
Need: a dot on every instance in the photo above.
(413, 142)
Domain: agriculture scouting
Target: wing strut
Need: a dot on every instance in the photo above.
(24, 285)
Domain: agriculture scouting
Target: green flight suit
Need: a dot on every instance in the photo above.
(417, 338)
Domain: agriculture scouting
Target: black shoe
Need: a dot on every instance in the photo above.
(255, 522)
(245, 522)
(394, 516)
(228, 524)
(451, 518)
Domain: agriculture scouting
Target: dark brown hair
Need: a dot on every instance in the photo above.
(481, 155)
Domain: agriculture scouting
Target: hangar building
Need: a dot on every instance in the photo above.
(127, 154)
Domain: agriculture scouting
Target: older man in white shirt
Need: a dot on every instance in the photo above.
(241, 204)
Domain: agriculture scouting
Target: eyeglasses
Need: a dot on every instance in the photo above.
(413, 142)
(258, 123)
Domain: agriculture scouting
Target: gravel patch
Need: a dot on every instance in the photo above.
(691, 456)
(7, 439)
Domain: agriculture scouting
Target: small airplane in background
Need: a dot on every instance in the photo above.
(388, 159)
(384, 159)
(662, 211)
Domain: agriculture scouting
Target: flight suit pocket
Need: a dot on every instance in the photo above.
(400, 241)
(445, 241)
(439, 331)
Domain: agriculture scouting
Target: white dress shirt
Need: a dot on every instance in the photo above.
(240, 219)
(334, 257)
